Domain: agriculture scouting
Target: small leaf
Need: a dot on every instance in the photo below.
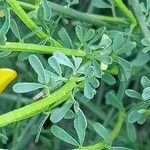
(5, 27)
(23, 56)
(104, 59)
(89, 92)
(3, 39)
(4, 138)
(133, 116)
(89, 34)
(93, 81)
(121, 148)
(63, 135)
(143, 8)
(77, 62)
(63, 59)
(89, 71)
(146, 93)
(54, 64)
(126, 67)
(128, 46)
(65, 38)
(131, 132)
(113, 100)
(97, 69)
(76, 106)
(146, 49)
(105, 41)
(79, 32)
(59, 113)
(39, 130)
(47, 10)
(14, 28)
(118, 41)
(38, 68)
(124, 64)
(142, 118)
(137, 61)
(100, 4)
(26, 87)
(145, 82)
(80, 125)
(5, 53)
(83, 68)
(109, 79)
(102, 131)
(73, 2)
(145, 41)
(133, 94)
(98, 35)
(69, 114)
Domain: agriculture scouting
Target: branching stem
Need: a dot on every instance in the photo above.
(15, 6)
(140, 18)
(126, 11)
(114, 135)
(35, 48)
(37, 107)
(86, 17)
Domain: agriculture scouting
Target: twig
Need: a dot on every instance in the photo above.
(86, 17)
(140, 18)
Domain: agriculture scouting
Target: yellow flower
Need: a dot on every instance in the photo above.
(6, 76)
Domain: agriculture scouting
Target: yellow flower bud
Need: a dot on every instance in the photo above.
(104, 66)
(6, 76)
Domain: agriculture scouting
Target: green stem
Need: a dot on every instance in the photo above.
(35, 48)
(37, 107)
(89, 18)
(114, 135)
(140, 17)
(113, 9)
(126, 11)
(29, 22)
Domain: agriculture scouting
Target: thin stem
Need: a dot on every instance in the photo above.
(140, 18)
(126, 11)
(24, 47)
(113, 8)
(86, 17)
(114, 135)
(29, 22)
(37, 107)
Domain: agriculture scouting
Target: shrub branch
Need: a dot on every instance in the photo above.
(114, 135)
(126, 11)
(15, 6)
(39, 106)
(35, 48)
(86, 17)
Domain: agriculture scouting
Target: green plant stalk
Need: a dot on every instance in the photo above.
(29, 22)
(86, 17)
(37, 107)
(126, 11)
(114, 135)
(140, 18)
(35, 48)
